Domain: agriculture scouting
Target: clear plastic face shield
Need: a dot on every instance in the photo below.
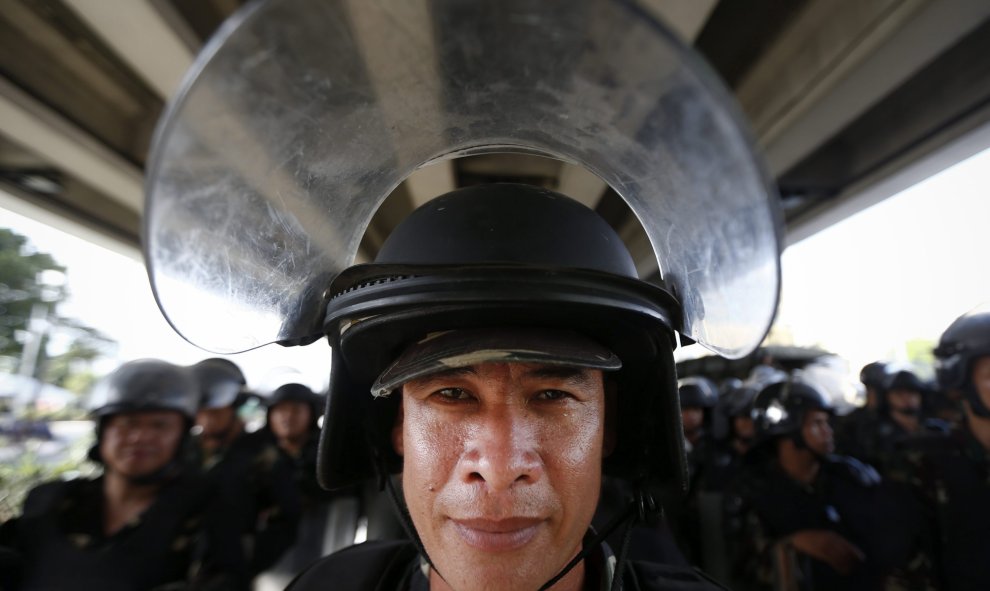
(301, 116)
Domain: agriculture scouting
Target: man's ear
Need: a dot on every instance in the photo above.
(611, 417)
(397, 428)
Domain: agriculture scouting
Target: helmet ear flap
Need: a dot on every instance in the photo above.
(650, 440)
(355, 434)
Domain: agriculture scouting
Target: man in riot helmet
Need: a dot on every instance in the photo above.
(221, 394)
(698, 397)
(856, 428)
(802, 507)
(268, 503)
(735, 406)
(292, 418)
(950, 474)
(501, 354)
(147, 521)
(496, 410)
(900, 419)
(293, 411)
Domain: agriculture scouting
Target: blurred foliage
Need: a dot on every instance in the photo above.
(21, 287)
(921, 357)
(33, 283)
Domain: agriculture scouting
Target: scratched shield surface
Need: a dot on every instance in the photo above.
(301, 116)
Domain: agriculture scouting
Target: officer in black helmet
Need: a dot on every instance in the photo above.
(328, 518)
(854, 430)
(698, 396)
(502, 352)
(268, 500)
(807, 514)
(900, 419)
(221, 394)
(952, 474)
(736, 406)
(147, 521)
(293, 414)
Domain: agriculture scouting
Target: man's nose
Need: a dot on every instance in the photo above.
(503, 451)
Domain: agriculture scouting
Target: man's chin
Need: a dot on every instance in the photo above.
(497, 575)
(525, 566)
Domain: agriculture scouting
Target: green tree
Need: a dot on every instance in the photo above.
(72, 369)
(26, 290)
(22, 289)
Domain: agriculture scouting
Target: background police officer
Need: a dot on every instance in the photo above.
(951, 475)
(147, 521)
(268, 501)
(807, 514)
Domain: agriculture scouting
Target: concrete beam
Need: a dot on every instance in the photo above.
(136, 31)
(12, 199)
(687, 17)
(30, 123)
(838, 59)
(870, 193)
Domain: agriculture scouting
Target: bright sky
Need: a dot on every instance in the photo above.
(111, 293)
(901, 270)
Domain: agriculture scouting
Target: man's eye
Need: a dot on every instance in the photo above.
(552, 395)
(452, 394)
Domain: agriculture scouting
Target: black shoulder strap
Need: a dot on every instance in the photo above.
(372, 565)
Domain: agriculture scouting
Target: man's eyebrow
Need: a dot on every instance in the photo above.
(570, 373)
(451, 372)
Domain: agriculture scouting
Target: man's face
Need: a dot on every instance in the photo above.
(981, 378)
(906, 402)
(744, 427)
(140, 443)
(215, 424)
(502, 469)
(692, 417)
(290, 419)
(817, 432)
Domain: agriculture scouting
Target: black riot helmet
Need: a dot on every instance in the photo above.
(779, 409)
(904, 380)
(141, 386)
(738, 401)
(966, 340)
(294, 392)
(697, 391)
(873, 375)
(502, 255)
(145, 385)
(221, 383)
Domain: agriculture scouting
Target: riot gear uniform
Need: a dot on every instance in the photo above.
(497, 261)
(855, 431)
(959, 346)
(268, 503)
(183, 537)
(769, 505)
(951, 475)
(887, 437)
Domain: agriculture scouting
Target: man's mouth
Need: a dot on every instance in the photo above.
(499, 535)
